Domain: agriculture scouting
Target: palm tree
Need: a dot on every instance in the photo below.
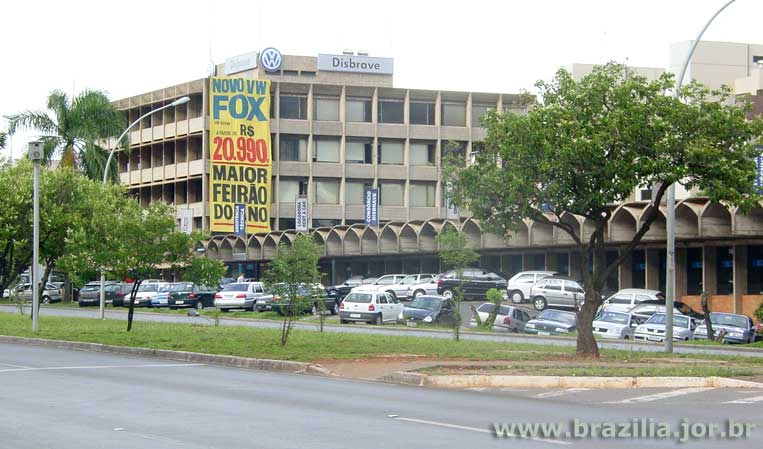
(76, 130)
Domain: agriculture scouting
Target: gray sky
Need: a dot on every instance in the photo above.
(127, 48)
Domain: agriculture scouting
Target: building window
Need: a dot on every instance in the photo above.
(391, 193)
(293, 148)
(358, 151)
(422, 153)
(390, 111)
(286, 223)
(454, 114)
(422, 113)
(358, 110)
(422, 194)
(290, 189)
(326, 149)
(325, 222)
(755, 270)
(326, 191)
(327, 109)
(478, 111)
(391, 151)
(725, 270)
(355, 191)
(693, 271)
(638, 269)
(293, 107)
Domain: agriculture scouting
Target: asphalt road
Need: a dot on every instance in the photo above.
(121, 314)
(55, 398)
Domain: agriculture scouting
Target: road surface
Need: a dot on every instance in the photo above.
(64, 399)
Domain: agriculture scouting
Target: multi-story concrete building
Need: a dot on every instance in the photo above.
(334, 133)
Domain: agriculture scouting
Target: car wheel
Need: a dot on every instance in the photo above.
(379, 321)
(539, 303)
(417, 293)
(448, 294)
(334, 309)
(80, 304)
(46, 299)
(517, 297)
(199, 305)
(392, 293)
(626, 337)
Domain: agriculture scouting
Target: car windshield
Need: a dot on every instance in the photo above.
(89, 288)
(660, 318)
(727, 319)
(148, 288)
(556, 315)
(237, 287)
(613, 317)
(425, 302)
(363, 298)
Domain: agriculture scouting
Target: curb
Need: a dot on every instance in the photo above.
(285, 366)
(592, 382)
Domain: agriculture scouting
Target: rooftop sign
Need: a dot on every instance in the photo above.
(240, 63)
(355, 64)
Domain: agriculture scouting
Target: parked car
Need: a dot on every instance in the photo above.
(114, 293)
(508, 318)
(380, 284)
(552, 322)
(738, 328)
(556, 291)
(519, 285)
(429, 310)
(188, 294)
(628, 298)
(49, 295)
(280, 304)
(646, 309)
(476, 283)
(370, 307)
(424, 288)
(241, 295)
(614, 324)
(399, 286)
(145, 294)
(341, 290)
(654, 328)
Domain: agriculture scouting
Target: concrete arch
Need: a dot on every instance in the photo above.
(658, 228)
(270, 245)
(562, 237)
(427, 236)
(226, 249)
(254, 247)
(750, 223)
(541, 233)
(473, 232)
(519, 237)
(212, 250)
(715, 221)
(369, 242)
(351, 243)
(239, 245)
(409, 237)
(389, 238)
(687, 221)
(622, 225)
(319, 237)
(446, 225)
(334, 242)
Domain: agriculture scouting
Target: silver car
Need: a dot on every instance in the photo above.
(654, 328)
(49, 295)
(519, 285)
(614, 324)
(241, 295)
(628, 298)
(379, 284)
(556, 291)
(401, 288)
(738, 328)
(508, 318)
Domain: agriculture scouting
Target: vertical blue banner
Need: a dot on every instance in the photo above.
(372, 206)
(239, 219)
(759, 172)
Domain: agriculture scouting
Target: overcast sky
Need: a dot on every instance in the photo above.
(127, 48)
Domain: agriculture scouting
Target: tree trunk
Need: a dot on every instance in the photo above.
(586, 343)
(706, 310)
(131, 311)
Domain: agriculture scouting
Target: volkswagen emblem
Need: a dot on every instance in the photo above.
(271, 59)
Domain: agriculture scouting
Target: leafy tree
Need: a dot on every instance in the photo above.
(588, 145)
(291, 275)
(15, 221)
(76, 130)
(495, 297)
(204, 271)
(455, 252)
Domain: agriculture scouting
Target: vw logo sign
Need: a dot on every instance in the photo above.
(271, 59)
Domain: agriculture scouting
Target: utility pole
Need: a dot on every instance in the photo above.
(35, 155)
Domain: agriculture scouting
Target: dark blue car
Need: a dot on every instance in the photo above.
(428, 309)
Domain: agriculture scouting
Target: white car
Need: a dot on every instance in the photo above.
(401, 288)
(508, 318)
(240, 295)
(371, 307)
(614, 324)
(518, 287)
(425, 288)
(628, 298)
(654, 328)
(146, 293)
(380, 284)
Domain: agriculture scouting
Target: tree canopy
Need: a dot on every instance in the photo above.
(587, 145)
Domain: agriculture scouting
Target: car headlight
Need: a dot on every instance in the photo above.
(560, 329)
(734, 335)
(428, 319)
(530, 325)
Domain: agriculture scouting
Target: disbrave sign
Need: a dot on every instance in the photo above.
(356, 64)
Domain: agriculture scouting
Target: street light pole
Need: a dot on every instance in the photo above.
(178, 102)
(35, 154)
(670, 219)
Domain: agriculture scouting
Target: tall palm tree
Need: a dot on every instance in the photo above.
(75, 131)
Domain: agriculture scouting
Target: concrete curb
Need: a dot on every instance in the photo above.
(502, 381)
(183, 356)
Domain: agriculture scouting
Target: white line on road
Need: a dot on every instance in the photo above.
(659, 396)
(751, 400)
(554, 394)
(13, 366)
(55, 368)
(471, 429)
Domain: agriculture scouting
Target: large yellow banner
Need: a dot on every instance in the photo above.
(239, 146)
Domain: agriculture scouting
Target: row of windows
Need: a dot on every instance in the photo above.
(360, 150)
(327, 191)
(388, 111)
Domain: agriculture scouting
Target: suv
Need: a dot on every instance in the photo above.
(520, 284)
(476, 283)
(558, 291)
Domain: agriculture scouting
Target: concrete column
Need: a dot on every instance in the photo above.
(709, 273)
(740, 276)
(625, 273)
(681, 270)
(652, 269)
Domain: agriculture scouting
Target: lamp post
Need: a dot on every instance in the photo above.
(35, 155)
(177, 102)
(670, 219)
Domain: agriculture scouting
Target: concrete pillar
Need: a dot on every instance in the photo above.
(625, 272)
(709, 267)
(740, 276)
(652, 257)
(681, 271)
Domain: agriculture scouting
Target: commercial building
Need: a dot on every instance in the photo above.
(338, 129)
